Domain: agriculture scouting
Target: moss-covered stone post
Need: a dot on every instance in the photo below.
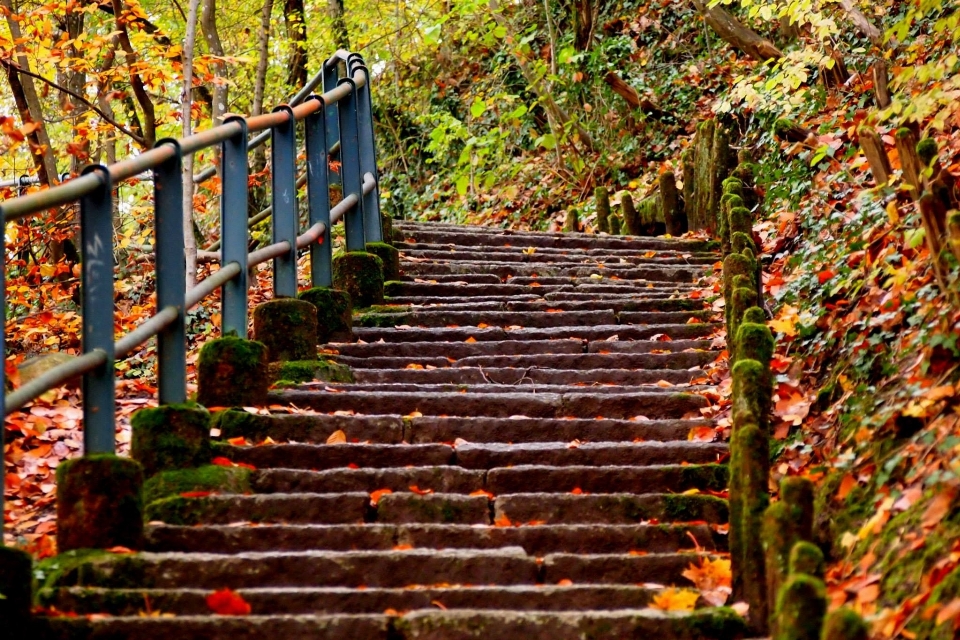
(334, 314)
(806, 557)
(360, 274)
(674, 218)
(571, 223)
(785, 523)
(16, 597)
(801, 607)
(386, 222)
(631, 221)
(99, 503)
(615, 225)
(232, 372)
(287, 327)
(170, 437)
(390, 256)
(602, 197)
(844, 624)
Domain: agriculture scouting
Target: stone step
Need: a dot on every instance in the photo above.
(610, 508)
(508, 304)
(501, 405)
(394, 429)
(626, 295)
(461, 349)
(526, 386)
(455, 624)
(535, 540)
(546, 475)
(647, 274)
(525, 377)
(666, 253)
(535, 319)
(536, 239)
(341, 600)
(609, 332)
(477, 254)
(394, 568)
(596, 360)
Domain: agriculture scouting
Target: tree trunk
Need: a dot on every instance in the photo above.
(294, 16)
(149, 121)
(340, 34)
(208, 25)
(862, 23)
(734, 32)
(628, 93)
(186, 107)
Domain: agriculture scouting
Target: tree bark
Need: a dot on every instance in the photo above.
(340, 34)
(876, 155)
(208, 25)
(149, 121)
(880, 83)
(628, 93)
(862, 23)
(735, 33)
(186, 108)
(295, 18)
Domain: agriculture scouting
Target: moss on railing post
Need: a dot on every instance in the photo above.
(232, 372)
(390, 256)
(615, 225)
(801, 606)
(785, 523)
(334, 314)
(288, 329)
(674, 217)
(602, 197)
(360, 274)
(631, 219)
(170, 437)
(571, 223)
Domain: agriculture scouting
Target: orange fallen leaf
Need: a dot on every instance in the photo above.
(414, 365)
(337, 437)
(228, 603)
(566, 582)
(502, 521)
(675, 600)
(420, 492)
(470, 339)
(938, 507)
(481, 492)
(194, 494)
(403, 547)
(376, 495)
(239, 441)
(119, 549)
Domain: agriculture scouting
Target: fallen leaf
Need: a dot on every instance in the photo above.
(376, 495)
(675, 600)
(938, 508)
(337, 437)
(228, 603)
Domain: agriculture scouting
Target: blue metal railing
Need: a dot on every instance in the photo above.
(340, 119)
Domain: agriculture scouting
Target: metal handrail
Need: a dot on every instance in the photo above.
(338, 120)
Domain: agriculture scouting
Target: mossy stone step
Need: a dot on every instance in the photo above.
(430, 318)
(592, 332)
(572, 252)
(570, 361)
(472, 254)
(502, 405)
(511, 384)
(461, 349)
(441, 479)
(613, 508)
(595, 304)
(664, 276)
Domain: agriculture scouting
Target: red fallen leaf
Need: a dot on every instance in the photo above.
(228, 603)
(239, 441)
(566, 582)
(502, 521)
(353, 465)
(577, 491)
(481, 492)
(376, 495)
(403, 547)
(825, 275)
(245, 465)
(420, 492)
(221, 461)
(195, 494)
(119, 549)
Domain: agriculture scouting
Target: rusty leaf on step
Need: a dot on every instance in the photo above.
(376, 495)
(337, 437)
(938, 507)
(226, 602)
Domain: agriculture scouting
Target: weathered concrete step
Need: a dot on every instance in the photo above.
(486, 455)
(535, 319)
(648, 346)
(469, 278)
(597, 304)
(549, 475)
(475, 254)
(394, 429)
(500, 405)
(597, 277)
(530, 239)
(527, 377)
(610, 508)
(573, 296)
(294, 508)
(475, 429)
(491, 387)
(340, 600)
(503, 566)
(599, 332)
(455, 624)
(537, 540)
(461, 349)
(623, 360)
(409, 247)
(503, 270)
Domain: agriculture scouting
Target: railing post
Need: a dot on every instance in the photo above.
(318, 194)
(233, 229)
(368, 156)
(96, 241)
(350, 174)
(283, 182)
(331, 76)
(171, 275)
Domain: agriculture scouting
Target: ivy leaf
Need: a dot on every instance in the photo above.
(477, 108)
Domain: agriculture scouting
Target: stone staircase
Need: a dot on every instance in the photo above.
(515, 404)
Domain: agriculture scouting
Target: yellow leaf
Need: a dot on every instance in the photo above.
(786, 321)
(675, 600)
(337, 437)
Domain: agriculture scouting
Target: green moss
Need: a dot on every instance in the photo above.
(751, 393)
(927, 150)
(782, 127)
(755, 342)
(334, 313)
(721, 623)
(801, 607)
(740, 241)
(170, 437)
(385, 308)
(806, 558)
(235, 423)
(309, 370)
(386, 226)
(743, 298)
(754, 315)
(99, 503)
(288, 328)
(602, 197)
(786, 523)
(571, 221)
(681, 508)
(209, 477)
(360, 275)
(711, 477)
(740, 220)
(631, 221)
(16, 590)
(232, 372)
(177, 510)
(65, 569)
(844, 624)
(381, 319)
(615, 225)
(390, 257)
